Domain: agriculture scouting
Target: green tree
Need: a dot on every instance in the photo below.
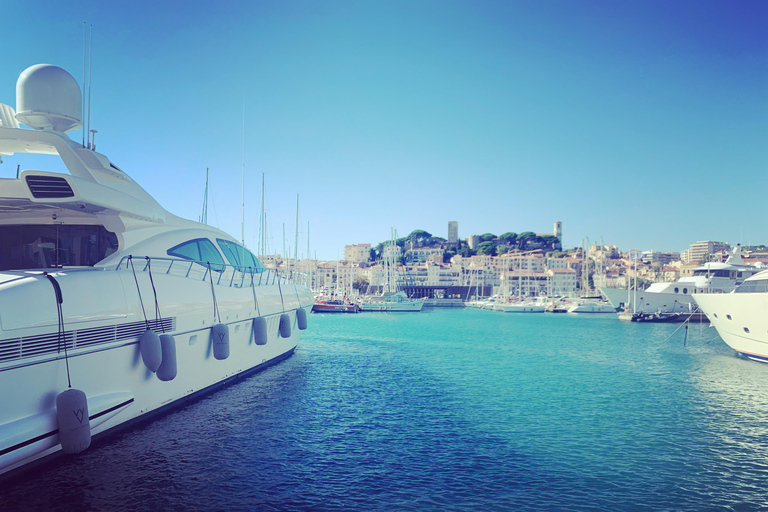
(550, 242)
(419, 236)
(486, 248)
(360, 282)
(525, 238)
(487, 237)
(509, 238)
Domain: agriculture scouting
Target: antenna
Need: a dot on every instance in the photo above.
(90, 79)
(82, 103)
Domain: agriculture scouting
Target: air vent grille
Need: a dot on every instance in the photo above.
(45, 187)
(50, 343)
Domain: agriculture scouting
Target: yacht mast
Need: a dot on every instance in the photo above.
(296, 243)
(204, 216)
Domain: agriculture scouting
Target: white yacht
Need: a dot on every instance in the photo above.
(677, 296)
(391, 302)
(740, 316)
(111, 308)
(591, 306)
(523, 306)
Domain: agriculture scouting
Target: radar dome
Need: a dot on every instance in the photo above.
(48, 98)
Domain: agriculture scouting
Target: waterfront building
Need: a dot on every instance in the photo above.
(423, 254)
(357, 252)
(271, 260)
(701, 251)
(473, 241)
(660, 257)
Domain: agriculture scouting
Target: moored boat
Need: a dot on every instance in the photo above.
(111, 308)
(678, 296)
(391, 302)
(591, 306)
(741, 317)
(334, 306)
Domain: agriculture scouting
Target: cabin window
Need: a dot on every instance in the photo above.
(685, 290)
(200, 250)
(235, 253)
(54, 245)
(728, 317)
(746, 330)
(677, 290)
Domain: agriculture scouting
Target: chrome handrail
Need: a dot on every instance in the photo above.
(233, 276)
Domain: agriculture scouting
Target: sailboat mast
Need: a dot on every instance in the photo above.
(242, 224)
(262, 222)
(296, 243)
(204, 216)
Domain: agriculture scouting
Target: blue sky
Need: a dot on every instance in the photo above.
(641, 122)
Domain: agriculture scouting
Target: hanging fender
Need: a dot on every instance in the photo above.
(285, 325)
(220, 339)
(167, 370)
(151, 350)
(73, 420)
(260, 330)
(301, 318)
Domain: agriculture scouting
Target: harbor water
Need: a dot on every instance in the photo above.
(447, 409)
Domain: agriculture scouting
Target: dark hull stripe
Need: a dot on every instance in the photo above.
(54, 432)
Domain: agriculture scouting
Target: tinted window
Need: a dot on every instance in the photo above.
(188, 250)
(235, 252)
(57, 245)
(201, 250)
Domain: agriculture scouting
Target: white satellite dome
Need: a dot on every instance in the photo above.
(48, 98)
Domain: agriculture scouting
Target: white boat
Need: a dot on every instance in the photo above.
(741, 316)
(111, 308)
(392, 298)
(591, 306)
(678, 296)
(520, 307)
(391, 302)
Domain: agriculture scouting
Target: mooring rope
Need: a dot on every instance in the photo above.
(138, 289)
(59, 301)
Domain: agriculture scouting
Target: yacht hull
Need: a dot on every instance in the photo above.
(386, 307)
(649, 302)
(103, 357)
(741, 320)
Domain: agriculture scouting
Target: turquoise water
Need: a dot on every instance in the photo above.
(448, 410)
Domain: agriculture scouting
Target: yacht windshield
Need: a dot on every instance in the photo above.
(54, 245)
(712, 273)
(234, 252)
(758, 286)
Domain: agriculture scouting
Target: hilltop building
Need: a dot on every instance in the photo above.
(357, 252)
(453, 232)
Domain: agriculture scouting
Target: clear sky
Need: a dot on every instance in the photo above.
(641, 122)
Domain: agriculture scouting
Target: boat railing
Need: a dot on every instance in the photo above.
(234, 276)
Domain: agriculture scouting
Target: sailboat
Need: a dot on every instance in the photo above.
(392, 297)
